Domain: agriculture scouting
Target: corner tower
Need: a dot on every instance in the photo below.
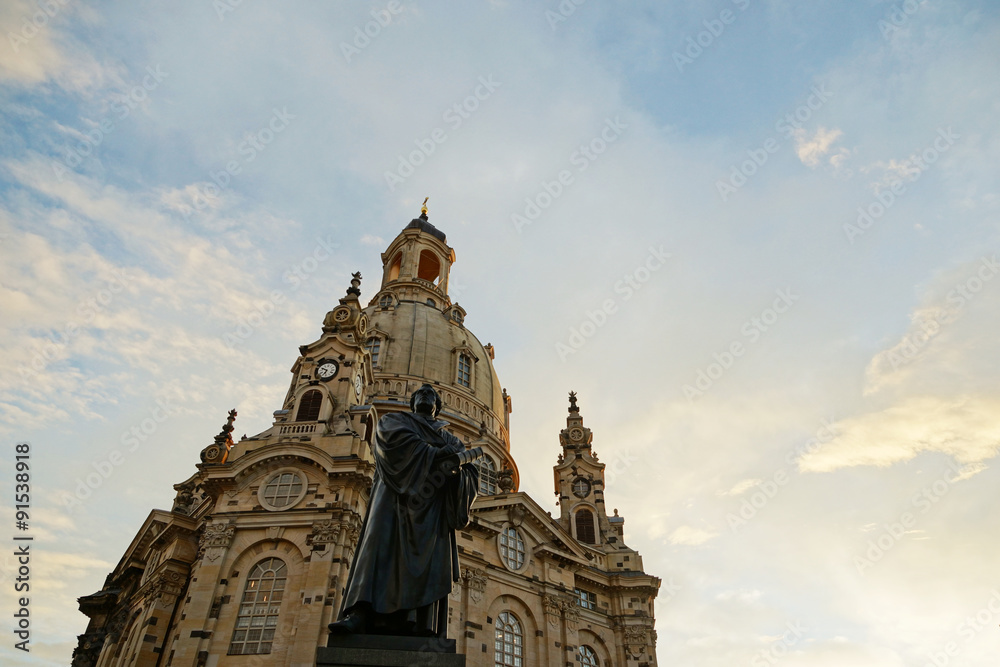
(579, 484)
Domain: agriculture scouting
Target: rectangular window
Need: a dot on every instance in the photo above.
(464, 371)
(586, 599)
(374, 347)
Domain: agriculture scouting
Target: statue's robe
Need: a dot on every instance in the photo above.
(407, 556)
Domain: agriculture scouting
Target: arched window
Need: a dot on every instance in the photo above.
(464, 370)
(397, 262)
(374, 346)
(512, 548)
(487, 476)
(588, 658)
(309, 406)
(429, 267)
(509, 641)
(385, 300)
(585, 527)
(258, 616)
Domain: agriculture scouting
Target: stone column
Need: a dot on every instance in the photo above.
(213, 549)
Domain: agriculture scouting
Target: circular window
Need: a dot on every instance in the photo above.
(581, 488)
(282, 490)
(511, 546)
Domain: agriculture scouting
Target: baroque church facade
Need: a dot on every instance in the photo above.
(249, 565)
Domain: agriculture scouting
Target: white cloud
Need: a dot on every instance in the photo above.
(966, 428)
(37, 50)
(812, 149)
(740, 487)
(690, 536)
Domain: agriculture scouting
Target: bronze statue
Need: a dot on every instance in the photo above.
(407, 557)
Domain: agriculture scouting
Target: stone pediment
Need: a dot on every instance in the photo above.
(557, 542)
(158, 524)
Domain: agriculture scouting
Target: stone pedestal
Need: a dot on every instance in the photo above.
(388, 651)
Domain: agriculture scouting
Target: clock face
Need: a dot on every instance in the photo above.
(327, 369)
(357, 385)
(581, 488)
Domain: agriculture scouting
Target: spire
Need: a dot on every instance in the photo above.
(575, 435)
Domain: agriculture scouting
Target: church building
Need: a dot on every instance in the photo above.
(248, 566)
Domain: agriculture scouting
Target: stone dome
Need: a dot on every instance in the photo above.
(416, 335)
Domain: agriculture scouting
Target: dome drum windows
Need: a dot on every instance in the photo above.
(464, 370)
(374, 346)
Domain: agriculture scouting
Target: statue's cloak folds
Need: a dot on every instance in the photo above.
(407, 556)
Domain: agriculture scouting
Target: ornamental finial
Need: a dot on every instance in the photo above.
(572, 402)
(423, 208)
(355, 287)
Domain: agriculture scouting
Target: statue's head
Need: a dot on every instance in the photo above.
(426, 400)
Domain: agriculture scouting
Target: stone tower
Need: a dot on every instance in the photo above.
(252, 558)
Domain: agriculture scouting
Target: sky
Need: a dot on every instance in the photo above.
(757, 237)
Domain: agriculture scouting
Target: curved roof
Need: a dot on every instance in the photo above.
(424, 342)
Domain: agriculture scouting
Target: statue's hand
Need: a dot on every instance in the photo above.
(448, 464)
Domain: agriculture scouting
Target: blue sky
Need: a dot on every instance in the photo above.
(877, 379)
